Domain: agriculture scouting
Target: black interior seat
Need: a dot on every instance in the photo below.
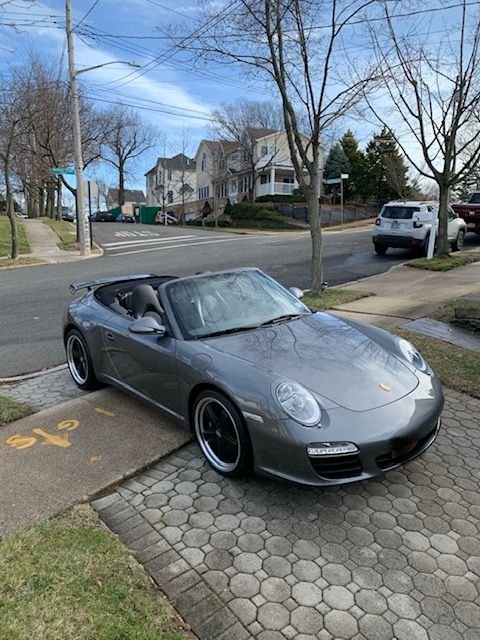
(145, 301)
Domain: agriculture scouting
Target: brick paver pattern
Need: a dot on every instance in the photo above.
(395, 557)
(44, 391)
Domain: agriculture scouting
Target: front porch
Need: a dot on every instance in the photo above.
(276, 181)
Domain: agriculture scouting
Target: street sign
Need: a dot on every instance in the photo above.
(344, 176)
(332, 181)
(56, 171)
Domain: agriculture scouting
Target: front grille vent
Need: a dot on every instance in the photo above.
(337, 467)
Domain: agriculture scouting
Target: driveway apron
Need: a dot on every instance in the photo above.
(395, 557)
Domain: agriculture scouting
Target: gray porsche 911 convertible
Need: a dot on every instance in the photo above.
(263, 382)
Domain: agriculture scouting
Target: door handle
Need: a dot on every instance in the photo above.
(109, 336)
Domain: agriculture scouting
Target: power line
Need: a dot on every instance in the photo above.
(88, 12)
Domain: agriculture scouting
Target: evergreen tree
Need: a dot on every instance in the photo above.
(386, 174)
(355, 185)
(336, 164)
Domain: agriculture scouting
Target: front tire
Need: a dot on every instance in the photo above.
(221, 434)
(457, 245)
(79, 361)
(380, 249)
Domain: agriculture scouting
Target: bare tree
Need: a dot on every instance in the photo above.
(244, 122)
(127, 138)
(435, 95)
(12, 118)
(296, 45)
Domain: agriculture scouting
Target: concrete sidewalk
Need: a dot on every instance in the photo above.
(68, 453)
(406, 293)
(44, 244)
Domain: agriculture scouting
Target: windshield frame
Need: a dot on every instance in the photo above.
(181, 330)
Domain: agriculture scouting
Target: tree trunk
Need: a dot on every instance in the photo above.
(313, 209)
(11, 210)
(59, 200)
(41, 201)
(121, 185)
(443, 246)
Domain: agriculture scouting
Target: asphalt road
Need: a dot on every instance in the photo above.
(33, 299)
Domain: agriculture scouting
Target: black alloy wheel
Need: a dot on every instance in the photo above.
(79, 361)
(221, 434)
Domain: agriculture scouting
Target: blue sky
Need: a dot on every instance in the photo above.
(175, 96)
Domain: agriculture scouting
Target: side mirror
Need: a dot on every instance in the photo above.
(298, 293)
(147, 325)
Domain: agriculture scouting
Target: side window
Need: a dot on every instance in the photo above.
(451, 213)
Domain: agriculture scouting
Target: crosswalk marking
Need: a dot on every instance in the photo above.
(181, 246)
(127, 243)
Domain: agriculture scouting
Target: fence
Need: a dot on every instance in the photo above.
(329, 215)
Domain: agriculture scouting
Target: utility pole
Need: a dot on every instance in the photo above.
(83, 227)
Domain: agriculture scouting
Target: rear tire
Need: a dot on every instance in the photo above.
(457, 245)
(222, 434)
(79, 361)
(380, 249)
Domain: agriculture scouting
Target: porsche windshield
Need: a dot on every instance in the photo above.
(230, 302)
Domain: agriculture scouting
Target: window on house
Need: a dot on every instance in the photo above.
(263, 151)
(204, 162)
(221, 160)
(265, 178)
(170, 197)
(203, 192)
(169, 174)
(222, 190)
(233, 186)
(246, 155)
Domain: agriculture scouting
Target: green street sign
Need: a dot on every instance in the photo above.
(62, 170)
(332, 181)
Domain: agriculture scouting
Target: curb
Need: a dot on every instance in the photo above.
(375, 275)
(36, 374)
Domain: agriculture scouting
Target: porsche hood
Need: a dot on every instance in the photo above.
(327, 356)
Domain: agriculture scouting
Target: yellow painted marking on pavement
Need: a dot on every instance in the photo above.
(21, 442)
(104, 412)
(57, 441)
(95, 459)
(68, 425)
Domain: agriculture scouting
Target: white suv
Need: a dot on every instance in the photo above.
(407, 224)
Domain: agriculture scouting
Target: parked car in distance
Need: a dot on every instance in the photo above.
(68, 214)
(407, 224)
(160, 218)
(102, 216)
(470, 212)
(123, 217)
(262, 381)
(20, 214)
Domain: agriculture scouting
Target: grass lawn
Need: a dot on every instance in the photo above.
(8, 262)
(66, 232)
(446, 313)
(332, 298)
(70, 579)
(6, 237)
(10, 411)
(445, 263)
(457, 368)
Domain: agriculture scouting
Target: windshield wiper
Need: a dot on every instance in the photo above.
(278, 319)
(224, 332)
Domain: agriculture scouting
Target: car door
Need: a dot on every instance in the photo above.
(145, 363)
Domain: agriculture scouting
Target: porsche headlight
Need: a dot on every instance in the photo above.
(298, 403)
(413, 356)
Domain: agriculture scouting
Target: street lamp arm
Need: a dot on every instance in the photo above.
(99, 66)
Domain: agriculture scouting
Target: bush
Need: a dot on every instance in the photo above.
(297, 196)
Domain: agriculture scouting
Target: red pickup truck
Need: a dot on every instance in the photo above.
(470, 212)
